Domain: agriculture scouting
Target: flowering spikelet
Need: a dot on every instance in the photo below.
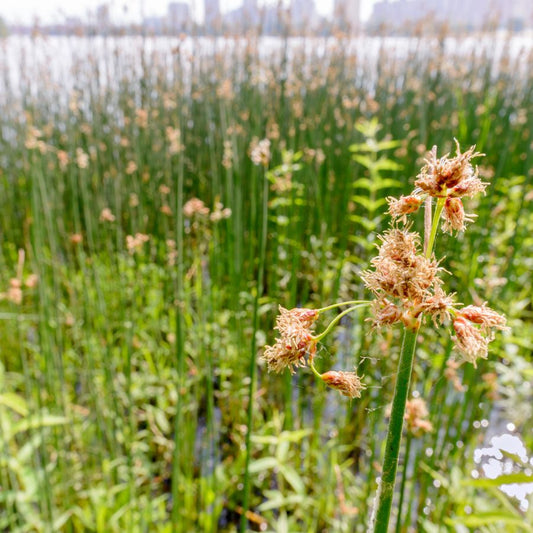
(469, 340)
(400, 271)
(296, 341)
(385, 313)
(454, 215)
(260, 152)
(485, 316)
(400, 207)
(437, 305)
(195, 206)
(457, 173)
(347, 383)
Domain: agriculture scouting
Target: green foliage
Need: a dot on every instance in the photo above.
(124, 393)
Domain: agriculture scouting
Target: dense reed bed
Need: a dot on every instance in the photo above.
(144, 255)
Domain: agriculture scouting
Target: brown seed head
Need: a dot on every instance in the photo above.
(439, 175)
(401, 272)
(385, 313)
(195, 206)
(437, 305)
(401, 207)
(296, 341)
(469, 340)
(347, 383)
(454, 215)
(483, 315)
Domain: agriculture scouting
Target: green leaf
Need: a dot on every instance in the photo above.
(363, 160)
(14, 402)
(500, 480)
(295, 436)
(360, 147)
(387, 164)
(277, 501)
(37, 422)
(480, 519)
(283, 450)
(265, 463)
(388, 145)
(369, 225)
(368, 203)
(363, 183)
(292, 477)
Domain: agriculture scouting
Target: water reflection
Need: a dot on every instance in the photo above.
(495, 461)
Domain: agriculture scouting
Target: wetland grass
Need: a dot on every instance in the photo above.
(133, 396)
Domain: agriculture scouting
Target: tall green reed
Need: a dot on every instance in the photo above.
(94, 287)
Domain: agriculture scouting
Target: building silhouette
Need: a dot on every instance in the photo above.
(303, 16)
(178, 17)
(459, 14)
(347, 15)
(212, 18)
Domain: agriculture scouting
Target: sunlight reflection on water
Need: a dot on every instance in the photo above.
(494, 462)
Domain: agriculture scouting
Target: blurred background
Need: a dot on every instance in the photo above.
(145, 249)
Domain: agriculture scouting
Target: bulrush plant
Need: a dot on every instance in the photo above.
(405, 280)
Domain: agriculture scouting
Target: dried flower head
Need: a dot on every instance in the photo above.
(195, 206)
(485, 316)
(260, 152)
(400, 271)
(454, 215)
(385, 313)
(296, 339)
(438, 305)
(347, 383)
(134, 243)
(469, 340)
(403, 206)
(106, 215)
(451, 374)
(14, 292)
(439, 175)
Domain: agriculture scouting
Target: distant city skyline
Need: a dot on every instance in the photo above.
(48, 11)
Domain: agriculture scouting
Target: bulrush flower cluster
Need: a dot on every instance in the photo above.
(347, 383)
(404, 281)
(446, 178)
(473, 326)
(296, 346)
(296, 341)
(260, 152)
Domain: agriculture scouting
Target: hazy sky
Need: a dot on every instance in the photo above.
(54, 10)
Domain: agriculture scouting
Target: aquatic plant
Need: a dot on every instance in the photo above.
(407, 286)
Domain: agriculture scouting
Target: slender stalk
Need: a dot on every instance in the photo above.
(394, 436)
(340, 304)
(431, 241)
(337, 318)
(314, 370)
(252, 372)
(403, 482)
(405, 368)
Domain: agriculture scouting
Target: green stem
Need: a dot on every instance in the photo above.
(340, 304)
(315, 371)
(435, 226)
(403, 482)
(337, 318)
(252, 372)
(394, 435)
